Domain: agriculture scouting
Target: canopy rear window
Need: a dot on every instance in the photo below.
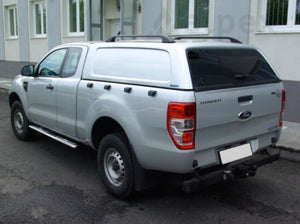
(217, 68)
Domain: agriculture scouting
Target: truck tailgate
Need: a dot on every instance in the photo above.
(229, 116)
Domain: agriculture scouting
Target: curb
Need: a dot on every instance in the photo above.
(4, 90)
(289, 154)
(5, 85)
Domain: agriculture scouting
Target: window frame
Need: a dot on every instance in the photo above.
(15, 22)
(40, 4)
(190, 29)
(70, 50)
(291, 27)
(78, 33)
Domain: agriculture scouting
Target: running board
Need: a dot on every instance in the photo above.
(54, 136)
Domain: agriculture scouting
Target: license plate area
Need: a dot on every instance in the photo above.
(235, 153)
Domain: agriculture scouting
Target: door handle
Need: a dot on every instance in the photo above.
(245, 98)
(50, 87)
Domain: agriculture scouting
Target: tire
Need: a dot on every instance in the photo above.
(115, 165)
(19, 122)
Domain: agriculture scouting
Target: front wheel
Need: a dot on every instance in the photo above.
(115, 165)
(19, 121)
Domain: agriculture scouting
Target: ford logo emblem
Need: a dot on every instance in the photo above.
(245, 115)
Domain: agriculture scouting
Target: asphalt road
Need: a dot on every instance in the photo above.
(43, 181)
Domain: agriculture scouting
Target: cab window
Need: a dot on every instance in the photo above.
(52, 64)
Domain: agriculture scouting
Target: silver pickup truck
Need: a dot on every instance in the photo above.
(205, 110)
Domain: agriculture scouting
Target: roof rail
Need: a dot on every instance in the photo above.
(164, 39)
(232, 40)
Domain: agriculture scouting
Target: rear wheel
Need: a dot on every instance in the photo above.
(19, 122)
(115, 165)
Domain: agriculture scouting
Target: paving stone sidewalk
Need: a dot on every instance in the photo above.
(289, 141)
(5, 85)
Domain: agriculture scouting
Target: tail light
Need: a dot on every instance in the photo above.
(283, 96)
(181, 124)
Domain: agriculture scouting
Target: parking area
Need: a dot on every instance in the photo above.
(43, 181)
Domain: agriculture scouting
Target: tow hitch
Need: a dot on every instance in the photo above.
(230, 172)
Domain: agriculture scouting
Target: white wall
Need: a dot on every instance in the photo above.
(110, 15)
(282, 49)
(167, 13)
(12, 48)
(232, 19)
(38, 48)
(66, 37)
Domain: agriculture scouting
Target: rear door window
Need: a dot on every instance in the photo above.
(217, 68)
(71, 62)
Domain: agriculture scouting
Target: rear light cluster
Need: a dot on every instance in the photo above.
(181, 124)
(283, 97)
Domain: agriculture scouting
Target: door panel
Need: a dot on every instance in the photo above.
(42, 101)
(43, 88)
(128, 17)
(66, 106)
(96, 20)
(67, 91)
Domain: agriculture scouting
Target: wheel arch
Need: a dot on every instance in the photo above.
(13, 97)
(104, 126)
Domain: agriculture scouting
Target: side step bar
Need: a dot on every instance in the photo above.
(54, 136)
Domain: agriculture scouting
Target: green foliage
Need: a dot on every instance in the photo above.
(297, 22)
(201, 13)
(74, 27)
(181, 14)
(81, 12)
(277, 12)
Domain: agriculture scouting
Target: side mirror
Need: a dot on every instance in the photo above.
(28, 70)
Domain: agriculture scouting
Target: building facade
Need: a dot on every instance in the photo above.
(29, 28)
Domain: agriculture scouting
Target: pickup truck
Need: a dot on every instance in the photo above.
(207, 111)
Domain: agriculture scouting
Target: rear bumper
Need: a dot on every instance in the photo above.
(240, 169)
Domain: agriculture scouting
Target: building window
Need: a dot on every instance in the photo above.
(40, 20)
(12, 22)
(277, 12)
(281, 15)
(190, 16)
(297, 20)
(76, 16)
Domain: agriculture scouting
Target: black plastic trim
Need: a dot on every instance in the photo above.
(127, 89)
(163, 38)
(245, 98)
(230, 172)
(231, 86)
(152, 93)
(135, 84)
(107, 87)
(90, 85)
(232, 40)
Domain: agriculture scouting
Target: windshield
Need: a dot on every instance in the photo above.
(217, 68)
